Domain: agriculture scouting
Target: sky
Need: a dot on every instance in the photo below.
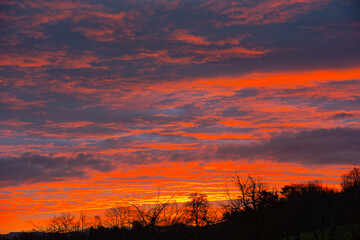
(108, 100)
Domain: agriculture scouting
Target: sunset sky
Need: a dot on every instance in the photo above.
(108, 100)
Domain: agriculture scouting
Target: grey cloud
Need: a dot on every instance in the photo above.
(247, 92)
(218, 128)
(320, 146)
(342, 116)
(343, 104)
(234, 112)
(31, 168)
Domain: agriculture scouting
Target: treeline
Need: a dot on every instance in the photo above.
(257, 211)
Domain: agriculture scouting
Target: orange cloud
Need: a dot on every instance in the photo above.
(46, 58)
(185, 36)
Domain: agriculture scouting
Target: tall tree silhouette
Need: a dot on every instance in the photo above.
(351, 180)
(351, 199)
(119, 216)
(251, 207)
(198, 209)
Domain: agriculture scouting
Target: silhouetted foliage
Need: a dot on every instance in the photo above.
(309, 207)
(351, 201)
(351, 180)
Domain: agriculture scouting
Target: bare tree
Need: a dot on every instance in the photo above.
(351, 186)
(119, 216)
(158, 215)
(64, 223)
(198, 210)
(83, 224)
(173, 214)
(252, 202)
(250, 193)
(97, 222)
(351, 180)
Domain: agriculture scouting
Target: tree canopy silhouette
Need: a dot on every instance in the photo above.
(351, 180)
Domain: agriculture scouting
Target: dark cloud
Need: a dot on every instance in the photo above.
(247, 92)
(32, 168)
(342, 116)
(217, 129)
(234, 112)
(320, 146)
(133, 141)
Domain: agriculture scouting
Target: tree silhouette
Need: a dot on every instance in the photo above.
(83, 223)
(158, 215)
(351, 199)
(310, 207)
(198, 209)
(351, 180)
(119, 216)
(251, 207)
